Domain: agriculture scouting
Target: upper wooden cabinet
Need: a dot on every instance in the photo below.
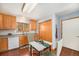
(7, 22)
(1, 21)
(33, 25)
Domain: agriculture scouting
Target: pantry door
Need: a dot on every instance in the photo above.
(71, 33)
(45, 30)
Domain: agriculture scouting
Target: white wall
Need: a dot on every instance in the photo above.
(5, 32)
(59, 47)
(54, 32)
(71, 34)
(22, 19)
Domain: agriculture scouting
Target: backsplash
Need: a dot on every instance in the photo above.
(5, 32)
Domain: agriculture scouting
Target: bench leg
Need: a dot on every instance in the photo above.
(39, 53)
(50, 48)
(30, 50)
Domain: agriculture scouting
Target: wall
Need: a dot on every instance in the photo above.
(58, 27)
(71, 15)
(54, 44)
(59, 47)
(64, 17)
(22, 19)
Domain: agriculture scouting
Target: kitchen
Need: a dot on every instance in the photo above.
(10, 32)
(16, 31)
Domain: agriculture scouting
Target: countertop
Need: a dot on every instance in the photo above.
(12, 35)
(3, 36)
(15, 34)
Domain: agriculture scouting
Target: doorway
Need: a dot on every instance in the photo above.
(70, 36)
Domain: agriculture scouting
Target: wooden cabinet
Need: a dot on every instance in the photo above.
(45, 30)
(1, 21)
(33, 25)
(7, 22)
(23, 40)
(13, 22)
(3, 44)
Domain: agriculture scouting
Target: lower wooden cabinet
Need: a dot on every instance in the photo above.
(3, 44)
(10, 43)
(23, 40)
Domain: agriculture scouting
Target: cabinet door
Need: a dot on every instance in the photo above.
(9, 22)
(13, 42)
(13, 22)
(33, 24)
(6, 22)
(1, 22)
(45, 30)
(23, 40)
(3, 44)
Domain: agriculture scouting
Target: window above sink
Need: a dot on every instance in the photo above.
(22, 27)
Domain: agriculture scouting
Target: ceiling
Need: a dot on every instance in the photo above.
(11, 8)
(41, 11)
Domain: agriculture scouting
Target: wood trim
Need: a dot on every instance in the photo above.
(45, 21)
(71, 18)
(6, 14)
(61, 28)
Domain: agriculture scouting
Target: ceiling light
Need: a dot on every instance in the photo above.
(28, 7)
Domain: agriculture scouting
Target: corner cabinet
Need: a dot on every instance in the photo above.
(7, 22)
